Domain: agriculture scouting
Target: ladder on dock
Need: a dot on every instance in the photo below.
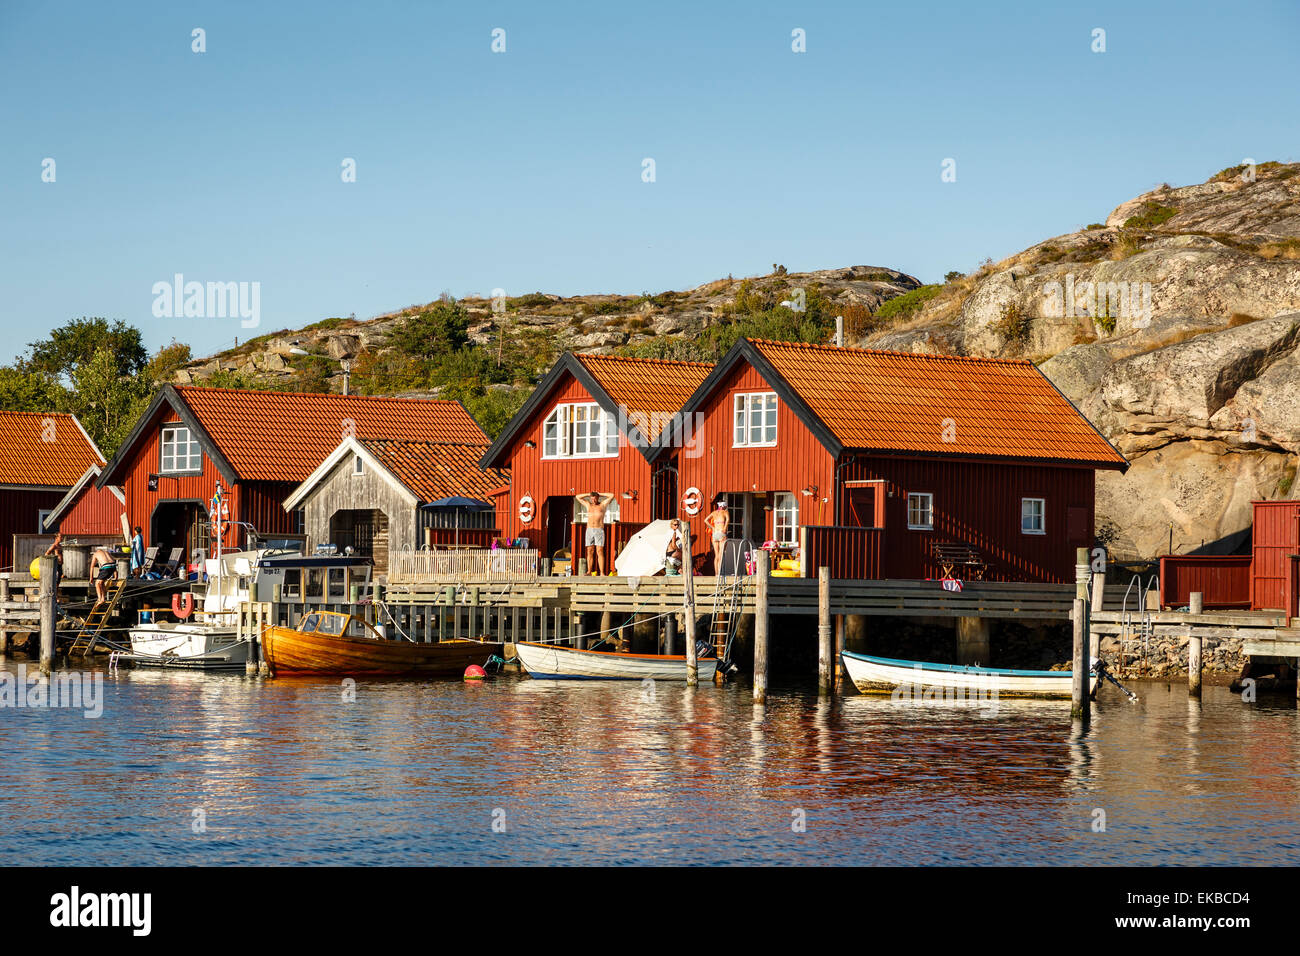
(1136, 625)
(93, 626)
(726, 607)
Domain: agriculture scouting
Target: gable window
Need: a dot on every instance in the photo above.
(579, 430)
(1032, 511)
(785, 518)
(920, 511)
(180, 450)
(358, 466)
(755, 420)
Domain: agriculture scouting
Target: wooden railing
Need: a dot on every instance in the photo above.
(479, 564)
(850, 552)
(1223, 580)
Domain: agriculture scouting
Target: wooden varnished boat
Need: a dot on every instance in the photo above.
(326, 642)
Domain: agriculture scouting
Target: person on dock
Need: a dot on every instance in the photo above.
(673, 556)
(597, 504)
(103, 568)
(137, 553)
(718, 520)
(55, 550)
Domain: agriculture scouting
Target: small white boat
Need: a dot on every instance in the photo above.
(874, 674)
(210, 640)
(549, 661)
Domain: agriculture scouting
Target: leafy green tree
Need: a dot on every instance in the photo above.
(30, 391)
(106, 402)
(76, 343)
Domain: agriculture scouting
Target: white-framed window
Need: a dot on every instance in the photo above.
(40, 519)
(580, 511)
(785, 518)
(1033, 513)
(920, 511)
(358, 466)
(579, 430)
(180, 450)
(755, 420)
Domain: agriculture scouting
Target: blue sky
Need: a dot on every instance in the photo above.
(523, 170)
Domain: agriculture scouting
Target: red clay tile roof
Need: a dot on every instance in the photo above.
(651, 390)
(44, 448)
(901, 401)
(436, 470)
(284, 436)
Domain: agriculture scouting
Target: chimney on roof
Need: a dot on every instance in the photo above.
(839, 331)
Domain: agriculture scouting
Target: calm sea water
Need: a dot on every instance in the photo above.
(286, 772)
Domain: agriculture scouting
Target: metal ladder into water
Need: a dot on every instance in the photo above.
(1142, 628)
(726, 604)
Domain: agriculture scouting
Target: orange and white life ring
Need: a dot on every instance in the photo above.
(526, 509)
(183, 605)
(691, 500)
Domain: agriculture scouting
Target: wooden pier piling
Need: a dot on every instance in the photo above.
(825, 674)
(670, 633)
(48, 612)
(4, 602)
(1080, 703)
(761, 621)
(1196, 604)
(688, 607)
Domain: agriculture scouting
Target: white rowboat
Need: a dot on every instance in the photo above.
(549, 661)
(873, 674)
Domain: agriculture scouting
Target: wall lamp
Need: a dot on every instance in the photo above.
(530, 444)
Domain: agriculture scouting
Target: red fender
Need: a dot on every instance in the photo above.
(183, 605)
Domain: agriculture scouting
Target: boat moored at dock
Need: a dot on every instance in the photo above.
(327, 642)
(884, 674)
(553, 662)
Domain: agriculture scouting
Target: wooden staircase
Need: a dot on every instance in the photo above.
(91, 628)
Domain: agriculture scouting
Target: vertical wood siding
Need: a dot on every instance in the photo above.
(1276, 534)
(711, 464)
(539, 478)
(978, 504)
(20, 514)
(96, 511)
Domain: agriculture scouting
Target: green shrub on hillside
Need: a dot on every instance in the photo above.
(1151, 215)
(907, 304)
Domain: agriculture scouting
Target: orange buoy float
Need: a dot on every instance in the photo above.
(474, 672)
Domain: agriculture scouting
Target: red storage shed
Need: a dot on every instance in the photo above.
(1275, 536)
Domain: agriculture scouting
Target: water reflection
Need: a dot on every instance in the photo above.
(594, 772)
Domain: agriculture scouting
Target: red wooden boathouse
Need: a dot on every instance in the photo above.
(88, 509)
(872, 460)
(591, 425)
(259, 445)
(42, 455)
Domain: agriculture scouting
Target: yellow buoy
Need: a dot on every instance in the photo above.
(35, 568)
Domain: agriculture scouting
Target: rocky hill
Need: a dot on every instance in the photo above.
(587, 323)
(1174, 325)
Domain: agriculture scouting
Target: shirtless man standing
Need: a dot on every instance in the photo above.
(103, 568)
(717, 522)
(597, 505)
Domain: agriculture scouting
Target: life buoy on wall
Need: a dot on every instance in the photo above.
(526, 509)
(183, 605)
(691, 500)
